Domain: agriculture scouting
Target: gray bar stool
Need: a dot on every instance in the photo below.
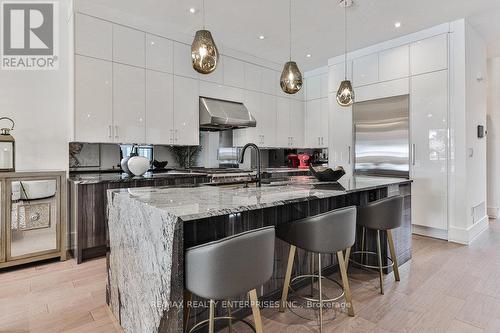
(229, 267)
(380, 215)
(331, 232)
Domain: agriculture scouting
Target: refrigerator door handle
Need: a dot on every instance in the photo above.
(413, 153)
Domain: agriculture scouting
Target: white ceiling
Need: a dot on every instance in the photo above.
(317, 24)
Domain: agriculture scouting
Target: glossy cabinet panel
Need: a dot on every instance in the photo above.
(313, 87)
(182, 61)
(234, 72)
(159, 53)
(186, 113)
(129, 104)
(253, 77)
(336, 74)
(297, 120)
(325, 120)
(159, 108)
(340, 138)
(93, 100)
(429, 107)
(93, 37)
(269, 83)
(313, 123)
(268, 124)
(365, 70)
(128, 46)
(394, 63)
(429, 55)
(383, 90)
(283, 122)
(324, 85)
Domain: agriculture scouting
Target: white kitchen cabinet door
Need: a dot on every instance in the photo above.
(429, 55)
(253, 77)
(93, 100)
(129, 113)
(383, 90)
(268, 125)
(313, 124)
(159, 54)
(93, 37)
(283, 122)
(429, 105)
(324, 85)
(128, 46)
(313, 87)
(365, 70)
(234, 72)
(253, 102)
(214, 90)
(325, 118)
(340, 138)
(336, 75)
(159, 108)
(297, 120)
(394, 63)
(182, 61)
(269, 83)
(186, 111)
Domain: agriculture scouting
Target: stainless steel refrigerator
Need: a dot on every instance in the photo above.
(381, 137)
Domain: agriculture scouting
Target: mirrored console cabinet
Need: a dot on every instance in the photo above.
(32, 217)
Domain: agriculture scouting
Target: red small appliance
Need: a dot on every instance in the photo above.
(293, 160)
(304, 161)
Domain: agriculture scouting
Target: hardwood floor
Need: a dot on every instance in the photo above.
(445, 288)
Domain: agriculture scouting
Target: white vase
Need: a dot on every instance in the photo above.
(138, 165)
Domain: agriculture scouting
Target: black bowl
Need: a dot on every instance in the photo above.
(160, 165)
(327, 175)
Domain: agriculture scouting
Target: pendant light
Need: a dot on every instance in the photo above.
(345, 94)
(204, 53)
(291, 77)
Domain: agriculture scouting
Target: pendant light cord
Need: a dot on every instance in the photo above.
(345, 38)
(203, 8)
(290, 25)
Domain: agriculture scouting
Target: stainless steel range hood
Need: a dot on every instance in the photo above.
(220, 115)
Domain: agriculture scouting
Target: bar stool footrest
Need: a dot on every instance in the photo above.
(369, 266)
(234, 319)
(331, 300)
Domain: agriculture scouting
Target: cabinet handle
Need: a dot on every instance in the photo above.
(110, 131)
(413, 154)
(176, 137)
(322, 141)
(116, 131)
(291, 141)
(172, 136)
(349, 154)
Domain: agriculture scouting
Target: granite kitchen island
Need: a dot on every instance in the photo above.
(149, 228)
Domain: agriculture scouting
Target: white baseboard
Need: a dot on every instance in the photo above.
(430, 232)
(493, 212)
(467, 235)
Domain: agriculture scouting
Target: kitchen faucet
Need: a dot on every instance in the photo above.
(257, 150)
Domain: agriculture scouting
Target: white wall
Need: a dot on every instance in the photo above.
(493, 136)
(40, 102)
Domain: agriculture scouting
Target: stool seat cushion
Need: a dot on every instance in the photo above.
(384, 214)
(324, 233)
(231, 266)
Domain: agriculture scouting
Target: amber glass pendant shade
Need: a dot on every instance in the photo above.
(291, 78)
(345, 94)
(204, 53)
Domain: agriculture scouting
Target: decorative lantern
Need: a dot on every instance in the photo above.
(7, 148)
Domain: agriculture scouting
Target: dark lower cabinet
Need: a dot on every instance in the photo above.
(88, 227)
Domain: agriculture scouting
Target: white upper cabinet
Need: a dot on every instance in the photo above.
(394, 63)
(128, 46)
(269, 83)
(336, 74)
(325, 119)
(383, 89)
(234, 72)
(429, 55)
(93, 100)
(313, 123)
(297, 119)
(253, 77)
(93, 37)
(365, 70)
(340, 136)
(129, 112)
(324, 85)
(283, 122)
(313, 87)
(217, 76)
(159, 54)
(159, 108)
(268, 123)
(186, 114)
(182, 61)
(214, 90)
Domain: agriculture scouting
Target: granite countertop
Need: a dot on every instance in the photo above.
(95, 178)
(206, 201)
